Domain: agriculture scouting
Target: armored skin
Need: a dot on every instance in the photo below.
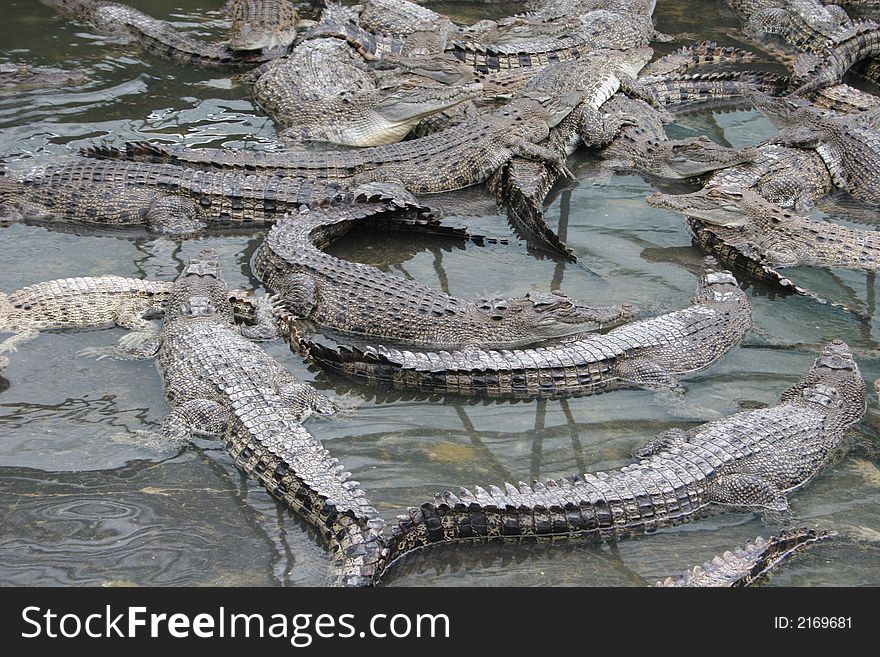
(750, 461)
(649, 353)
(221, 384)
(360, 301)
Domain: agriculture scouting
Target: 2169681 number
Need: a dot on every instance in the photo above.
(824, 622)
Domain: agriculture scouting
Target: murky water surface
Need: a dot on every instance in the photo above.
(88, 495)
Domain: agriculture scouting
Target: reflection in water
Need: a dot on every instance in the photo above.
(86, 498)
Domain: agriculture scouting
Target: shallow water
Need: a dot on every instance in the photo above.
(88, 495)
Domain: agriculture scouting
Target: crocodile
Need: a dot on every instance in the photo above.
(749, 461)
(805, 25)
(155, 36)
(849, 145)
(847, 48)
(522, 41)
(19, 77)
(645, 353)
(744, 220)
(863, 8)
(267, 25)
(358, 300)
(748, 565)
(789, 177)
(222, 385)
(321, 92)
(79, 303)
(644, 148)
(451, 159)
(639, 143)
(162, 198)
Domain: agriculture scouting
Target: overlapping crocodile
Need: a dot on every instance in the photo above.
(98, 302)
(220, 384)
(80, 303)
(360, 301)
(750, 564)
(451, 159)
(773, 236)
(649, 353)
(321, 91)
(266, 25)
(750, 461)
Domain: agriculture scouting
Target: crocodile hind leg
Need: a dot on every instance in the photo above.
(665, 440)
(176, 215)
(130, 315)
(196, 417)
(745, 491)
(299, 292)
(598, 129)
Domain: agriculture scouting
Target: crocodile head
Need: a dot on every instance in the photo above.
(686, 158)
(410, 101)
(200, 290)
(720, 205)
(382, 116)
(835, 384)
(555, 314)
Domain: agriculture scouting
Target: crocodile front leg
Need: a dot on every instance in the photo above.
(539, 153)
(264, 327)
(11, 344)
(306, 400)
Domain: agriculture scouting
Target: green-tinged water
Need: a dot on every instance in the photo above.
(90, 495)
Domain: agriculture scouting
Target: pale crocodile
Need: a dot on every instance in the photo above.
(220, 384)
(750, 461)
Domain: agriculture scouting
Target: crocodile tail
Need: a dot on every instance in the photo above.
(357, 550)
(516, 513)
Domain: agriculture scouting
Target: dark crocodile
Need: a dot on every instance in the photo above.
(773, 236)
(266, 25)
(322, 92)
(647, 353)
(748, 565)
(20, 77)
(221, 384)
(153, 35)
(358, 300)
(161, 197)
(451, 159)
(750, 461)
